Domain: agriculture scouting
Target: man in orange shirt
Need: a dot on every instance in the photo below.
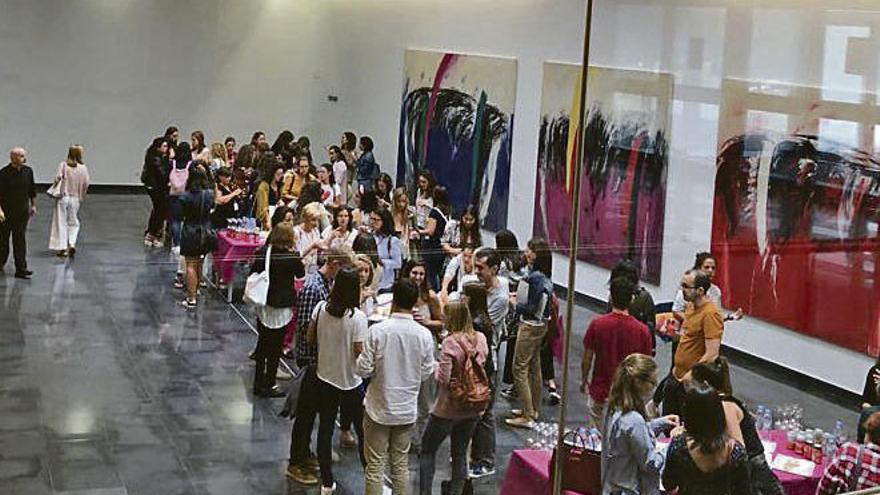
(700, 342)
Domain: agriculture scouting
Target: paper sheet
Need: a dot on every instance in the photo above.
(800, 467)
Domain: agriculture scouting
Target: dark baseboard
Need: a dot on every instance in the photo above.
(774, 371)
(104, 188)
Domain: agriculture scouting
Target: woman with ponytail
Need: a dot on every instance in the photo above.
(630, 462)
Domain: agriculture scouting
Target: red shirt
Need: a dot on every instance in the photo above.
(839, 474)
(612, 338)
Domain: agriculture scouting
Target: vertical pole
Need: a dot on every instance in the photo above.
(573, 245)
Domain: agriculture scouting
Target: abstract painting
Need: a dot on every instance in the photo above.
(623, 185)
(796, 212)
(456, 120)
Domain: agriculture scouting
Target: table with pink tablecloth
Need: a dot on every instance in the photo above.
(528, 472)
(230, 250)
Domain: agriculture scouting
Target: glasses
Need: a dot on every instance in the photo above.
(686, 286)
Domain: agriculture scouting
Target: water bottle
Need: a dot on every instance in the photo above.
(595, 439)
(768, 419)
(759, 418)
(830, 446)
(839, 433)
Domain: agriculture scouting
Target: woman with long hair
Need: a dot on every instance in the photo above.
(365, 244)
(367, 271)
(383, 188)
(448, 416)
(282, 142)
(705, 460)
(367, 168)
(430, 245)
(427, 310)
(339, 328)
(74, 178)
(341, 231)
(177, 181)
(231, 154)
(218, 157)
(389, 247)
(463, 232)
(197, 237)
(328, 192)
(404, 219)
(269, 189)
(348, 144)
(199, 147)
(155, 179)
(534, 313)
(285, 266)
(740, 425)
(424, 201)
(630, 461)
(295, 180)
(511, 256)
(340, 174)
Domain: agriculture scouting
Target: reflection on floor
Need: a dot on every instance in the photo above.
(109, 387)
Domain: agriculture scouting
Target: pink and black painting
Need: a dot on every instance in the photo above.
(623, 185)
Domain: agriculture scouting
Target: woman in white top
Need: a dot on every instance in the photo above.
(339, 328)
(328, 191)
(340, 174)
(341, 231)
(424, 197)
(74, 177)
(308, 236)
(218, 158)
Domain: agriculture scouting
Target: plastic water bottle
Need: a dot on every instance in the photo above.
(759, 418)
(839, 433)
(595, 439)
(768, 419)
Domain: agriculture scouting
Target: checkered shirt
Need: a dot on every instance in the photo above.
(838, 475)
(315, 290)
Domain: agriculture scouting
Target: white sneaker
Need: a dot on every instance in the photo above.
(328, 491)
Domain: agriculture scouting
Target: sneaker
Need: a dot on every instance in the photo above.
(275, 392)
(282, 375)
(480, 471)
(328, 490)
(516, 412)
(148, 240)
(178, 283)
(301, 475)
(312, 463)
(520, 422)
(509, 393)
(189, 303)
(553, 398)
(157, 243)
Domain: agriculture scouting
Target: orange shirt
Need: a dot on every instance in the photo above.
(699, 325)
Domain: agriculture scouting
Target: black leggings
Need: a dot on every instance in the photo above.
(332, 400)
(547, 366)
(267, 355)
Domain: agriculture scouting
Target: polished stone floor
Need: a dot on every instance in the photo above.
(109, 387)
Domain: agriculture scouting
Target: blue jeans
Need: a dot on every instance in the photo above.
(437, 431)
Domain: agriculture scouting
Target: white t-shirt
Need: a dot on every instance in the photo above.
(336, 361)
(329, 194)
(340, 177)
(306, 239)
(679, 305)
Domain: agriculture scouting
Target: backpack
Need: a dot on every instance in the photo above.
(469, 384)
(177, 179)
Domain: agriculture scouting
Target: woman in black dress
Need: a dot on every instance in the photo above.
(197, 237)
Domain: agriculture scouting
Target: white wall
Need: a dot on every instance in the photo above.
(112, 74)
(770, 40)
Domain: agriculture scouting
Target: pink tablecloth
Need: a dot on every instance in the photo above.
(528, 472)
(230, 250)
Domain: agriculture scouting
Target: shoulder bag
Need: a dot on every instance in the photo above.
(256, 289)
(56, 190)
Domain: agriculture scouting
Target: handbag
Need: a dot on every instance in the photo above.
(256, 288)
(55, 190)
(581, 467)
(293, 390)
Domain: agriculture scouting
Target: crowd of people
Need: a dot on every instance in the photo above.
(429, 371)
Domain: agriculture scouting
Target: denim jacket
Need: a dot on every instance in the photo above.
(539, 284)
(631, 464)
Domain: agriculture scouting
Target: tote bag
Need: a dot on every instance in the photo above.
(56, 190)
(256, 289)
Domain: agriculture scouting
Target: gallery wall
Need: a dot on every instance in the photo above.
(112, 74)
(700, 43)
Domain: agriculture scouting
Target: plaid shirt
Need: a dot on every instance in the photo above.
(315, 290)
(838, 475)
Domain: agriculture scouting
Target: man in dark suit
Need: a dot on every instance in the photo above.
(17, 206)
